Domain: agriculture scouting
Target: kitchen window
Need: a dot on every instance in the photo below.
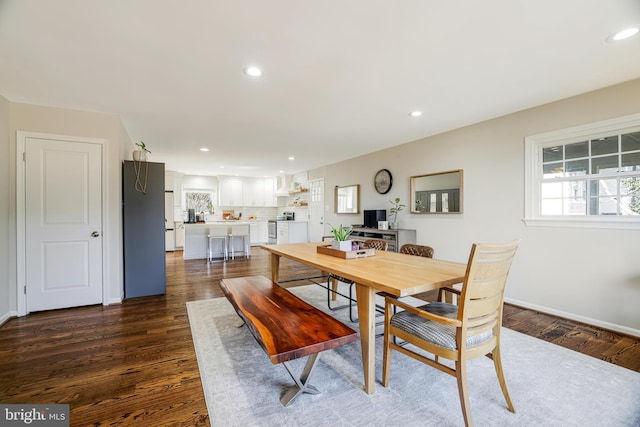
(588, 176)
(199, 200)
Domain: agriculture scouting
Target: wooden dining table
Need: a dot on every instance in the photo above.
(394, 273)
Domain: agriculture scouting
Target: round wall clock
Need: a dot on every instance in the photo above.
(383, 181)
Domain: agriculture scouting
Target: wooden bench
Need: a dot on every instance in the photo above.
(285, 326)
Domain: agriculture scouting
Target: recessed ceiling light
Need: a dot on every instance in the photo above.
(291, 158)
(253, 71)
(204, 149)
(621, 35)
(415, 113)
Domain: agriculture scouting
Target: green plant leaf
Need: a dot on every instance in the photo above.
(341, 233)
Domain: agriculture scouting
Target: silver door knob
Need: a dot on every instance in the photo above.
(95, 234)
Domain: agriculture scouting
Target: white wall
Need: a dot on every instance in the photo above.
(5, 191)
(584, 274)
(590, 275)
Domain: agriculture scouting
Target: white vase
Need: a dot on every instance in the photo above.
(393, 225)
(344, 245)
(139, 155)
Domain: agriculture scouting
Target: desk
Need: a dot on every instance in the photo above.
(397, 274)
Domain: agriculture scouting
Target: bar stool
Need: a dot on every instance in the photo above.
(236, 232)
(217, 233)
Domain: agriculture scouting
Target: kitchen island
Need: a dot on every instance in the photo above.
(195, 239)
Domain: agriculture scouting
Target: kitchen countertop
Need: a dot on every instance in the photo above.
(226, 221)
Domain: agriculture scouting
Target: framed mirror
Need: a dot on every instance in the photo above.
(437, 193)
(347, 199)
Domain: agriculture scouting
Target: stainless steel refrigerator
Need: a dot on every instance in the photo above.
(143, 217)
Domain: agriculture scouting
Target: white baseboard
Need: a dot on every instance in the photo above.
(6, 316)
(571, 316)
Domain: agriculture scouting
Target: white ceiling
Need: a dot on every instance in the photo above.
(340, 76)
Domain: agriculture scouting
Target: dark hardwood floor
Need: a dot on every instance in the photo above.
(134, 363)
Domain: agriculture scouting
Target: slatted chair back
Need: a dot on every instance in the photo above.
(482, 294)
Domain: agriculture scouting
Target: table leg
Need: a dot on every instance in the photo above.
(334, 286)
(366, 317)
(275, 267)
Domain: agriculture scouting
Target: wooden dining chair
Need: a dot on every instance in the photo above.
(417, 250)
(378, 244)
(457, 332)
(332, 282)
(427, 251)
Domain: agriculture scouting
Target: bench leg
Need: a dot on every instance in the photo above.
(302, 385)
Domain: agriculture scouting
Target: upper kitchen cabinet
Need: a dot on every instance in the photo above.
(247, 191)
(253, 191)
(270, 192)
(230, 191)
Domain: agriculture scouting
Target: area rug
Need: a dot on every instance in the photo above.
(549, 385)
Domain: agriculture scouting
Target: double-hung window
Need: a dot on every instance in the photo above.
(588, 176)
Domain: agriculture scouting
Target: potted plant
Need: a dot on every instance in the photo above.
(140, 155)
(341, 234)
(397, 207)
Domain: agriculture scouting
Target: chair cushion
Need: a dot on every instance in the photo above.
(434, 332)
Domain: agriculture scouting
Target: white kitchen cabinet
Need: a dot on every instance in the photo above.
(247, 191)
(270, 198)
(253, 233)
(282, 232)
(263, 232)
(259, 192)
(230, 191)
(292, 232)
(259, 233)
(253, 192)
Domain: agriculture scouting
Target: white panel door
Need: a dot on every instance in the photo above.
(63, 223)
(316, 210)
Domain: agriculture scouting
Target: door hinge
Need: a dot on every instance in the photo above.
(25, 289)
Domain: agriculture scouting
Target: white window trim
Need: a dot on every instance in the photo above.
(532, 173)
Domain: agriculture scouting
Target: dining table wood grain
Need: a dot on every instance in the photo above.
(390, 272)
